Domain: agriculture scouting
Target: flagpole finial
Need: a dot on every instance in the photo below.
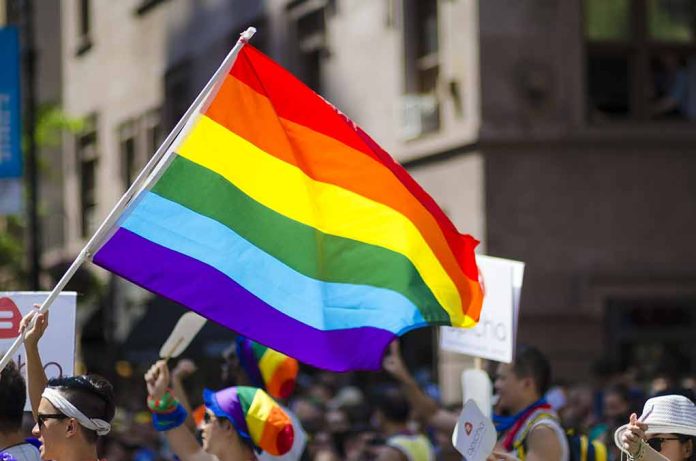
(247, 34)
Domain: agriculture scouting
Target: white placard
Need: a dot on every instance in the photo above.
(474, 435)
(57, 346)
(181, 336)
(494, 336)
(477, 386)
(517, 276)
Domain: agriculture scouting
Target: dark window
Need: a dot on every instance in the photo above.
(641, 59)
(85, 26)
(152, 131)
(178, 92)
(420, 106)
(13, 12)
(88, 160)
(84, 17)
(426, 20)
(653, 336)
(128, 153)
(608, 84)
(309, 20)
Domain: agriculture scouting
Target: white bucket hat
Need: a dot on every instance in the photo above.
(667, 414)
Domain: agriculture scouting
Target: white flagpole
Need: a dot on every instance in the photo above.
(139, 183)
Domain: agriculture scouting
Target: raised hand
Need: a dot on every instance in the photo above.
(635, 432)
(157, 379)
(33, 333)
(394, 364)
(183, 369)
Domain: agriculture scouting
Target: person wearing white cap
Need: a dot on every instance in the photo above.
(666, 430)
(71, 413)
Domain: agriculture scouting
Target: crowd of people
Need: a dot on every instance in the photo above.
(268, 408)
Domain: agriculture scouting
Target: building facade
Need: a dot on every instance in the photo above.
(556, 131)
(405, 71)
(587, 129)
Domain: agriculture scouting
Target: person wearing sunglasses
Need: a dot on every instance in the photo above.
(71, 413)
(248, 363)
(666, 430)
(239, 421)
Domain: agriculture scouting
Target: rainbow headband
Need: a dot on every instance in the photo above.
(257, 418)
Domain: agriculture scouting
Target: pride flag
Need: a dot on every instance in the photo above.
(280, 219)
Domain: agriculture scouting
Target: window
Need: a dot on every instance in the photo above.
(420, 107)
(12, 10)
(652, 335)
(138, 140)
(178, 93)
(152, 124)
(641, 59)
(84, 26)
(127, 153)
(309, 19)
(88, 157)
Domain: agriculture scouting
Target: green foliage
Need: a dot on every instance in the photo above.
(51, 124)
(607, 19)
(12, 272)
(667, 20)
(671, 24)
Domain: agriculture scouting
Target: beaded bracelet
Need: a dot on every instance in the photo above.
(638, 455)
(166, 404)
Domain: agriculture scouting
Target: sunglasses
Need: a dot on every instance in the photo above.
(42, 417)
(656, 442)
(208, 417)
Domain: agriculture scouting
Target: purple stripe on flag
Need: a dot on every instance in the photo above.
(217, 297)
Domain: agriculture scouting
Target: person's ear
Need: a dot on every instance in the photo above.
(688, 448)
(227, 425)
(528, 382)
(71, 427)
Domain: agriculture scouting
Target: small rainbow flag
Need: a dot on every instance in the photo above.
(266, 368)
(281, 219)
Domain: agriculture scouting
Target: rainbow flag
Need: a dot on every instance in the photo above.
(266, 368)
(280, 219)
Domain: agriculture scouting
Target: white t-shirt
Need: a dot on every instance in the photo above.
(544, 417)
(560, 433)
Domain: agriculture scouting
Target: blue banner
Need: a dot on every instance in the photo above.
(10, 117)
(11, 196)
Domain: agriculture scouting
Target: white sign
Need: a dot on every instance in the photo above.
(181, 336)
(477, 386)
(474, 435)
(494, 336)
(57, 346)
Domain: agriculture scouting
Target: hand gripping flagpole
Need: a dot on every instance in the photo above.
(141, 181)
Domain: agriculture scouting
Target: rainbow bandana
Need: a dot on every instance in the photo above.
(256, 416)
(267, 368)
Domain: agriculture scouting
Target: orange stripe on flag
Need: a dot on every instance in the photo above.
(251, 115)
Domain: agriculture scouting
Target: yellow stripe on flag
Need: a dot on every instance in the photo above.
(331, 209)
